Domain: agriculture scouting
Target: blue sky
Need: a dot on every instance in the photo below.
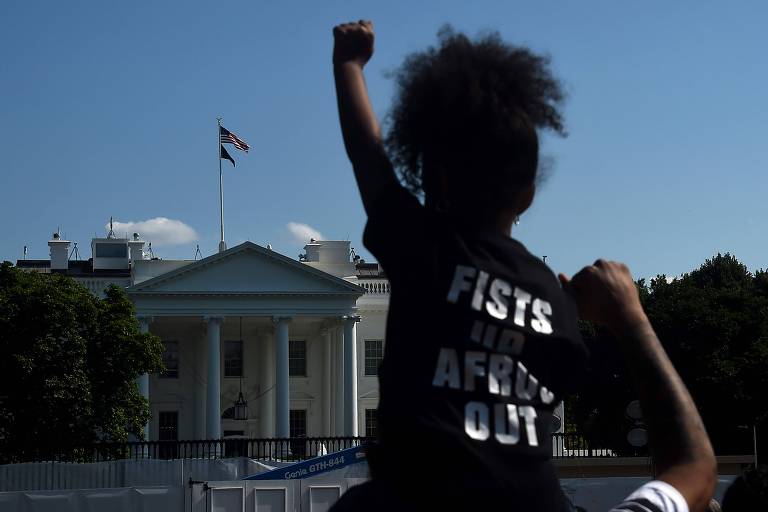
(109, 109)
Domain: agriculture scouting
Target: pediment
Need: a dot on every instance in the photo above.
(247, 269)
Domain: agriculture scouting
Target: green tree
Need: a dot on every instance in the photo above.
(68, 364)
(713, 322)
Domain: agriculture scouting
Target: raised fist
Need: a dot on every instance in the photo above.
(353, 42)
(605, 293)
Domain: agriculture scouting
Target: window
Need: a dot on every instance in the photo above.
(233, 358)
(169, 426)
(168, 431)
(298, 422)
(297, 358)
(371, 422)
(297, 425)
(171, 360)
(374, 353)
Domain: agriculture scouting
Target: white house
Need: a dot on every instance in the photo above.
(302, 339)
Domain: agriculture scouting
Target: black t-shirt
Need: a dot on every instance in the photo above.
(481, 345)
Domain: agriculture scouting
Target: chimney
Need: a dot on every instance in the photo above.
(312, 250)
(136, 248)
(332, 256)
(59, 253)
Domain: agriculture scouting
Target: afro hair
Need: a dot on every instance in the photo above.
(472, 109)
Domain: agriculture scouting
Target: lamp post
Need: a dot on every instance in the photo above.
(754, 441)
(241, 406)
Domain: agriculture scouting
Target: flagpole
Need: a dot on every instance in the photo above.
(222, 243)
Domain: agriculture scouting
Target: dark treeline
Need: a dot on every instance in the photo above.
(713, 322)
(68, 364)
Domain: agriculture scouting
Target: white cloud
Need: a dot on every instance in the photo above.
(303, 232)
(160, 231)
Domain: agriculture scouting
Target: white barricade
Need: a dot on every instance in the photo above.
(137, 499)
(125, 473)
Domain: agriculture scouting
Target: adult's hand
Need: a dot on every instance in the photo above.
(605, 293)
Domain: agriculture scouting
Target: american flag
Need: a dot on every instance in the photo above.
(227, 137)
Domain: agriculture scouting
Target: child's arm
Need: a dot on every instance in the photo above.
(362, 136)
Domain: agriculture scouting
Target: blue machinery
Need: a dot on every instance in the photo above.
(312, 467)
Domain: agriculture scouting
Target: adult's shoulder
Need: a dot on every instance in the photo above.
(654, 496)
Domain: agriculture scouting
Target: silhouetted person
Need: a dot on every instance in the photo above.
(748, 491)
(482, 343)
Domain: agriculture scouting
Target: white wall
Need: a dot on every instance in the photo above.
(316, 494)
(135, 499)
(371, 327)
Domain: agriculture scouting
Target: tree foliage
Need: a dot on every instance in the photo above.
(68, 364)
(713, 323)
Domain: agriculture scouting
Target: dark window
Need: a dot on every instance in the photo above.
(297, 424)
(297, 358)
(233, 358)
(371, 422)
(374, 353)
(168, 431)
(171, 360)
(111, 250)
(235, 447)
(169, 426)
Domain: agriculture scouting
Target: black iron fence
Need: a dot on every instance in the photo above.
(568, 446)
(286, 449)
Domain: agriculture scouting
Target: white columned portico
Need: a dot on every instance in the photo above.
(213, 402)
(281, 376)
(143, 380)
(350, 375)
(254, 281)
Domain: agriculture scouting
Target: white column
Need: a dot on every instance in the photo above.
(143, 380)
(200, 383)
(267, 420)
(327, 400)
(350, 375)
(560, 413)
(281, 378)
(213, 402)
(338, 391)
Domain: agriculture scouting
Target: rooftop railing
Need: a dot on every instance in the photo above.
(375, 286)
